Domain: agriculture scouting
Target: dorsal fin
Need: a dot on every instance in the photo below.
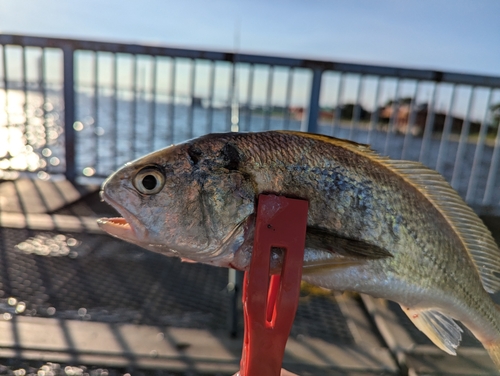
(470, 228)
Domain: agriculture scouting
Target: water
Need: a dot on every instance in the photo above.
(119, 130)
(31, 131)
(111, 131)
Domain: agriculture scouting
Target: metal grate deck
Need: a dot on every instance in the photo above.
(61, 288)
(99, 278)
(108, 280)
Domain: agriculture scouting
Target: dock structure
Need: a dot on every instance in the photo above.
(75, 301)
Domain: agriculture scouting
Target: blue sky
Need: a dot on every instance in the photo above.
(456, 35)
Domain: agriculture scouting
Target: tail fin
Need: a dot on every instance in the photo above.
(494, 352)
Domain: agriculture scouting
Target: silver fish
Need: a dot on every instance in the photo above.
(391, 229)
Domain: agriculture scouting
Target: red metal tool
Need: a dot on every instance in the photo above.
(270, 302)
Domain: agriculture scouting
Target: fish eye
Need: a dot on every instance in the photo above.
(149, 180)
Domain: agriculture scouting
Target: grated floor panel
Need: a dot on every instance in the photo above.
(108, 280)
(99, 278)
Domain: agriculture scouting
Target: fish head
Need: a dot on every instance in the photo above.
(190, 200)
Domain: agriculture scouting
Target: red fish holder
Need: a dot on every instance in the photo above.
(270, 301)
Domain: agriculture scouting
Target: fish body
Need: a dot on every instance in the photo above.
(391, 229)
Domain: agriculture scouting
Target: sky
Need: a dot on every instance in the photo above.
(454, 35)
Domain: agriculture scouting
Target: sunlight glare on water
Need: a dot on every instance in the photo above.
(42, 175)
(51, 311)
(54, 161)
(44, 245)
(73, 371)
(21, 307)
(49, 369)
(29, 130)
(78, 126)
(88, 171)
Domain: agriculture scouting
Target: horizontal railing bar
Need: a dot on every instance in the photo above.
(396, 72)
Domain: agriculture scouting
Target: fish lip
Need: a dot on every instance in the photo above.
(126, 228)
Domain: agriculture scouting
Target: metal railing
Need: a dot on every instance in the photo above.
(83, 108)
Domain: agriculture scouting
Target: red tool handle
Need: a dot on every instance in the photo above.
(270, 302)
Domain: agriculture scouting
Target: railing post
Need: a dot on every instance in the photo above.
(310, 121)
(69, 112)
(235, 281)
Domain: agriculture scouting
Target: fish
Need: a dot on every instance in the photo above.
(392, 229)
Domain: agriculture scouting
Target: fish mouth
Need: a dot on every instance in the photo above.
(127, 227)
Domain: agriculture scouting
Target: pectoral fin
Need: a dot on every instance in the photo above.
(441, 329)
(327, 251)
(317, 238)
